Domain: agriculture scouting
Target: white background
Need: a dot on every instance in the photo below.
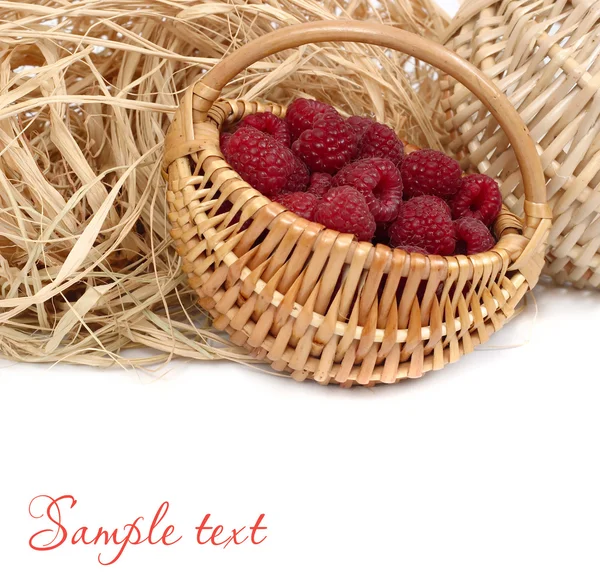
(484, 473)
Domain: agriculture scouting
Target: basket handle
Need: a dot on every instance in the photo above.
(209, 87)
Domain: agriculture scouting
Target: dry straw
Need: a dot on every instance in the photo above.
(87, 91)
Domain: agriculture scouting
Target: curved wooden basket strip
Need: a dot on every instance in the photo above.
(315, 302)
(544, 56)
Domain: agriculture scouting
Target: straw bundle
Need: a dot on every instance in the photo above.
(88, 89)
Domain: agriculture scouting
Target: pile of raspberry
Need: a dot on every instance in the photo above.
(352, 175)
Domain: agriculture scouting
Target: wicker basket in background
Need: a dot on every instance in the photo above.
(543, 55)
(315, 302)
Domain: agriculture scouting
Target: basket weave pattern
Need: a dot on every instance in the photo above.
(315, 302)
(544, 56)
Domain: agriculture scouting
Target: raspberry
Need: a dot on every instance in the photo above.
(472, 236)
(320, 183)
(424, 221)
(478, 197)
(429, 172)
(328, 145)
(379, 181)
(301, 114)
(260, 160)
(360, 124)
(345, 209)
(299, 178)
(269, 124)
(301, 203)
(224, 141)
(379, 140)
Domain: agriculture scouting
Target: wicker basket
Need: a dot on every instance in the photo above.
(543, 55)
(315, 302)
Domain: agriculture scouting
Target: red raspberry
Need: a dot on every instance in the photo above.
(379, 181)
(269, 124)
(360, 124)
(320, 183)
(472, 236)
(328, 145)
(224, 141)
(301, 203)
(429, 172)
(299, 178)
(479, 197)
(301, 114)
(424, 221)
(345, 209)
(260, 160)
(380, 140)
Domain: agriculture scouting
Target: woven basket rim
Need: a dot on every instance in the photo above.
(199, 101)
